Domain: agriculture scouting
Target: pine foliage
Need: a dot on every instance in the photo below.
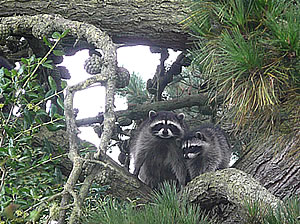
(135, 92)
(168, 207)
(250, 51)
(287, 212)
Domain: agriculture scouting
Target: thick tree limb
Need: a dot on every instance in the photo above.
(224, 193)
(153, 22)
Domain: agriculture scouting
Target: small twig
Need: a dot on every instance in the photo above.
(44, 202)
(35, 127)
(41, 62)
(2, 177)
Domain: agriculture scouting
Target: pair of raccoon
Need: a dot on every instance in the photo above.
(165, 149)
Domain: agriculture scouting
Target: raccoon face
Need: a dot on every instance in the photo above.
(194, 145)
(166, 125)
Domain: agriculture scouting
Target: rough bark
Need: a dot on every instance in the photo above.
(276, 167)
(122, 184)
(224, 193)
(153, 22)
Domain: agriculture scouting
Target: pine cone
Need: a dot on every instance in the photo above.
(123, 77)
(124, 121)
(93, 64)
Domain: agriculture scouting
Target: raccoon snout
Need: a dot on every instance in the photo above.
(185, 155)
(165, 132)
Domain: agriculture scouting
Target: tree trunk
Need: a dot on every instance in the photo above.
(153, 22)
(276, 169)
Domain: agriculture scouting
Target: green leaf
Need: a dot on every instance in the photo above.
(55, 127)
(9, 131)
(32, 95)
(4, 150)
(65, 33)
(21, 69)
(28, 118)
(56, 35)
(32, 59)
(58, 52)
(47, 42)
(47, 65)
(53, 110)
(12, 152)
(41, 113)
(60, 102)
(34, 215)
(24, 61)
(49, 93)
(52, 83)
(64, 84)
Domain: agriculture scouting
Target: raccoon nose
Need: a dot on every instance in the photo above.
(165, 132)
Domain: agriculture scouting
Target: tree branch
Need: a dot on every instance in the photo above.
(155, 22)
(136, 112)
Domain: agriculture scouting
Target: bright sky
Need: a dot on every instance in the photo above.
(90, 102)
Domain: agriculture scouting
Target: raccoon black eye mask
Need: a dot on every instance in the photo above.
(166, 129)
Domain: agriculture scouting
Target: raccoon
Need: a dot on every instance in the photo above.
(206, 149)
(157, 151)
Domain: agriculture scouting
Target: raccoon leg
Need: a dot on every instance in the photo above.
(137, 166)
(148, 177)
(139, 160)
(180, 170)
(211, 166)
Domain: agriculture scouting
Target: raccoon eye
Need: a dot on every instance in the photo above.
(174, 129)
(157, 127)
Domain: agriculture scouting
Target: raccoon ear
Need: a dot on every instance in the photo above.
(152, 114)
(181, 116)
(200, 135)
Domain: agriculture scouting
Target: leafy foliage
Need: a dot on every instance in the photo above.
(28, 171)
(167, 207)
(250, 51)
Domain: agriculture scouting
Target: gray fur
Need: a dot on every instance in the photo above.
(206, 149)
(156, 157)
